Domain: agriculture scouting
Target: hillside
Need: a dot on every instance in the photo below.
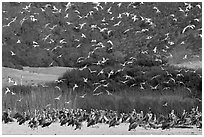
(75, 34)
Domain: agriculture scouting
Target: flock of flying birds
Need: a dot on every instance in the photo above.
(102, 86)
(117, 18)
(110, 44)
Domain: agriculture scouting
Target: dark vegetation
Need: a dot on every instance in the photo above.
(143, 27)
(123, 98)
(134, 53)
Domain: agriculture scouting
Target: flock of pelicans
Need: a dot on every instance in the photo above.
(78, 118)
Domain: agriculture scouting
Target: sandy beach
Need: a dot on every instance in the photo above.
(99, 129)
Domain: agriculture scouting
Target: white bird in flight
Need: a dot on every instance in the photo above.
(83, 96)
(7, 90)
(12, 53)
(75, 86)
(58, 98)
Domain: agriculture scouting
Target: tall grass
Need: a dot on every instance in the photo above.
(123, 101)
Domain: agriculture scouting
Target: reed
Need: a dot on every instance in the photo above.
(124, 100)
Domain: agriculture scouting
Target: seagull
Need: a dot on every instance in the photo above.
(97, 88)
(96, 94)
(108, 93)
(123, 64)
(10, 80)
(98, 63)
(124, 81)
(12, 93)
(155, 77)
(75, 86)
(82, 96)
(105, 85)
(133, 85)
(173, 80)
(85, 80)
(180, 82)
(154, 87)
(19, 100)
(15, 83)
(58, 87)
(198, 6)
(165, 105)
(144, 52)
(143, 72)
(110, 73)
(47, 105)
(158, 60)
(81, 25)
(101, 72)
(198, 99)
(109, 41)
(58, 98)
(7, 90)
(92, 71)
(185, 57)
(44, 86)
(67, 102)
(189, 26)
(80, 59)
(59, 81)
(83, 36)
(12, 53)
(128, 77)
(117, 24)
(19, 41)
(141, 87)
(189, 89)
(59, 56)
(155, 50)
(51, 63)
(168, 74)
